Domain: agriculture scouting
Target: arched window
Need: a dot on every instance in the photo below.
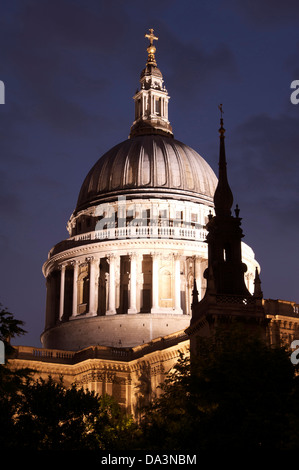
(83, 289)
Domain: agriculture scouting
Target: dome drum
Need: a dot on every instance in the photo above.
(141, 218)
(124, 278)
(120, 331)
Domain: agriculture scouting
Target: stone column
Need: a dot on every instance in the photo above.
(139, 281)
(177, 284)
(62, 287)
(50, 318)
(198, 275)
(111, 289)
(133, 281)
(155, 283)
(92, 286)
(75, 288)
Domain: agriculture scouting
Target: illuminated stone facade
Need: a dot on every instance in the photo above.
(136, 237)
(119, 289)
(131, 375)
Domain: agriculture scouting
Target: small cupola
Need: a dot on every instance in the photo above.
(151, 100)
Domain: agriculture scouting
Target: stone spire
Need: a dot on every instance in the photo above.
(227, 298)
(151, 100)
(223, 197)
(225, 236)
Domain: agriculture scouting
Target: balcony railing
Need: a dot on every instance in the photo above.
(176, 233)
(96, 352)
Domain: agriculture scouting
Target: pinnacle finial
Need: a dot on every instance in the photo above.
(151, 36)
(194, 295)
(151, 48)
(221, 110)
(221, 130)
(258, 293)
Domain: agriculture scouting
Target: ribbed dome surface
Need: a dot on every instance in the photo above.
(148, 165)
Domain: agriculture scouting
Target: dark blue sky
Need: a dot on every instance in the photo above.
(70, 70)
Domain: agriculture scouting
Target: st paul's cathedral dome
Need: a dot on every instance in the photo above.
(137, 237)
(149, 166)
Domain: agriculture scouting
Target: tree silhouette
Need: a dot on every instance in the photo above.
(241, 394)
(44, 415)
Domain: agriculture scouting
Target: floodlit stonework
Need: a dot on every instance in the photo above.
(119, 288)
(136, 237)
(131, 375)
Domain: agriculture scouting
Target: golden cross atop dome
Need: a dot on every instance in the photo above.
(151, 48)
(151, 37)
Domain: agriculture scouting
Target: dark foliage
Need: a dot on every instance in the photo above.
(241, 394)
(44, 415)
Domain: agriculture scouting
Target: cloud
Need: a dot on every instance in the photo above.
(55, 60)
(192, 68)
(264, 164)
(10, 202)
(267, 13)
(292, 63)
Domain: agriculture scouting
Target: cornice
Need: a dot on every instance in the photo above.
(150, 359)
(120, 247)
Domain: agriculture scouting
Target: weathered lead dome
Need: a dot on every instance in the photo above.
(150, 163)
(154, 165)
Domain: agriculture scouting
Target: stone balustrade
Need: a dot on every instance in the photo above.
(176, 233)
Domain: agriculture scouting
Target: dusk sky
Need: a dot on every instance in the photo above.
(70, 70)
